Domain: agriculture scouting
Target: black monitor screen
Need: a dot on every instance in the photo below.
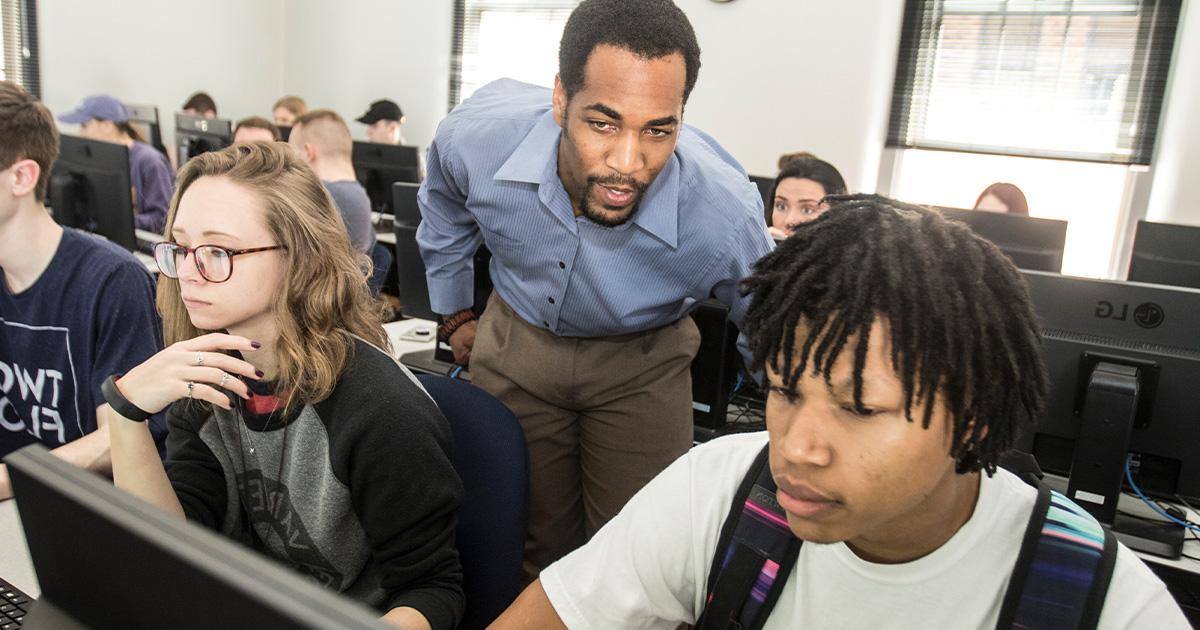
(1166, 254)
(378, 166)
(109, 560)
(404, 203)
(90, 189)
(1032, 243)
(196, 134)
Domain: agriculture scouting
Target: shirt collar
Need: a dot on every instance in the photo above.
(535, 161)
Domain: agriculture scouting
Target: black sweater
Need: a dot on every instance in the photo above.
(356, 491)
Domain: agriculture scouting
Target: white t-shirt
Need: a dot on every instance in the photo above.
(648, 567)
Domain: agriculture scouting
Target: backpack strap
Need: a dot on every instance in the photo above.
(755, 555)
(1064, 568)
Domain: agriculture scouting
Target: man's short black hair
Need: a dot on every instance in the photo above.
(961, 322)
(651, 29)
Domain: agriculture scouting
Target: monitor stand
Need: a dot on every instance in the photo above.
(1098, 465)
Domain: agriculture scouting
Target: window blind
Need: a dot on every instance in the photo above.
(1068, 79)
(19, 44)
(494, 39)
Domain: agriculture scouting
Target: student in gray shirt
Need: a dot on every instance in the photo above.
(323, 139)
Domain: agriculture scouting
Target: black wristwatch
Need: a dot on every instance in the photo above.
(120, 403)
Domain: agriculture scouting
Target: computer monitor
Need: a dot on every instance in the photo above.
(1164, 253)
(378, 166)
(715, 367)
(404, 203)
(1032, 243)
(145, 119)
(90, 189)
(765, 186)
(1124, 362)
(196, 134)
(105, 559)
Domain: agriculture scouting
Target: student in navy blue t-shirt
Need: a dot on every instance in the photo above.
(74, 308)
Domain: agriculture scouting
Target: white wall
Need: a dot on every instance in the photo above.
(158, 52)
(1175, 193)
(344, 55)
(779, 76)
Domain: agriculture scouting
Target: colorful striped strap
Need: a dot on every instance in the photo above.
(760, 551)
(1062, 574)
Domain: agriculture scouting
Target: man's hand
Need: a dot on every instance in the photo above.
(462, 341)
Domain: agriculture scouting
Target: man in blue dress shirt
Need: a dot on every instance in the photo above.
(608, 219)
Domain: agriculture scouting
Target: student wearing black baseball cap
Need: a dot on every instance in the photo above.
(383, 120)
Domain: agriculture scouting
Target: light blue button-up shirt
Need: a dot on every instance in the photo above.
(493, 176)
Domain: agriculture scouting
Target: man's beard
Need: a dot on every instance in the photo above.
(608, 220)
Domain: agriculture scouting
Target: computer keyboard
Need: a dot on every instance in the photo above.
(15, 604)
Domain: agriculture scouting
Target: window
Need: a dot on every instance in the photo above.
(984, 88)
(494, 39)
(18, 44)
(1073, 79)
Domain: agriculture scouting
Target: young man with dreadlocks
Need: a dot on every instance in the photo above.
(902, 357)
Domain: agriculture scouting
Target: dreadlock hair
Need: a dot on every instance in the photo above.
(650, 29)
(961, 323)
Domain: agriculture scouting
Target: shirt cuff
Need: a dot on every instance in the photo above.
(448, 296)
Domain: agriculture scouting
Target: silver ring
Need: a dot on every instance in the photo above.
(199, 359)
(191, 386)
(224, 377)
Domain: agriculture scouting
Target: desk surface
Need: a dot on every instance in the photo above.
(397, 331)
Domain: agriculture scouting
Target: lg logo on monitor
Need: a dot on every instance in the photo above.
(1146, 314)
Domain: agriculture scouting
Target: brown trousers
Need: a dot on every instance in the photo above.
(602, 417)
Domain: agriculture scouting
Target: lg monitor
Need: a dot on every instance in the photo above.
(1032, 243)
(106, 559)
(1123, 360)
(90, 189)
(1164, 253)
(196, 134)
(378, 166)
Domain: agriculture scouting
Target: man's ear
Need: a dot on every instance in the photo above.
(25, 175)
(560, 102)
(310, 153)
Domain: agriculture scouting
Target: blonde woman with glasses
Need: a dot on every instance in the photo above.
(290, 430)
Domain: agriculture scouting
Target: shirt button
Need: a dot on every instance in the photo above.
(562, 265)
(551, 300)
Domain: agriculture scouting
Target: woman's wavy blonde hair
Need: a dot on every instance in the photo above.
(323, 299)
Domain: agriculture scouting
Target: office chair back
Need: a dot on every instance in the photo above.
(381, 258)
(491, 458)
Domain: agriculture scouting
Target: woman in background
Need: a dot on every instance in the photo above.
(102, 117)
(799, 192)
(1002, 197)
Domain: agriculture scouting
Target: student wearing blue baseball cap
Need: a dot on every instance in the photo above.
(102, 117)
